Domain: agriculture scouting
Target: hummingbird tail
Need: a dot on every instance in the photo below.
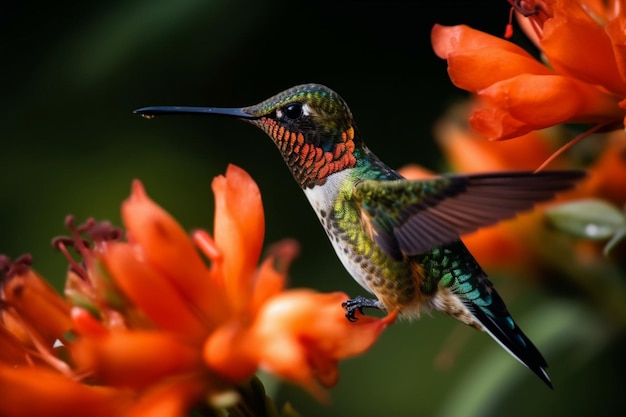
(465, 292)
(498, 323)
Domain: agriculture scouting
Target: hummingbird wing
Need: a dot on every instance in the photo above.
(410, 217)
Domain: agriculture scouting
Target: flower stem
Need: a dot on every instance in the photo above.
(573, 142)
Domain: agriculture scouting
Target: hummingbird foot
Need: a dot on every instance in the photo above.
(358, 303)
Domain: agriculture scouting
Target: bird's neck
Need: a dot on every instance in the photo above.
(370, 167)
(340, 185)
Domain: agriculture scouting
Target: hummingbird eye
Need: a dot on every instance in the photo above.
(293, 111)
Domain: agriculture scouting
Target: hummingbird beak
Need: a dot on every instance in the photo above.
(151, 112)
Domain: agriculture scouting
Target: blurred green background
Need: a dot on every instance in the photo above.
(72, 72)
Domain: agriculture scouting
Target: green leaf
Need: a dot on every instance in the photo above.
(591, 219)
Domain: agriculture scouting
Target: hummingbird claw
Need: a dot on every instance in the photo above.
(358, 303)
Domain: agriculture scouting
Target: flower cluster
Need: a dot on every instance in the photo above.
(577, 84)
(583, 78)
(148, 324)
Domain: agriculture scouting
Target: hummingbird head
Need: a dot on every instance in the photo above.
(310, 124)
(312, 127)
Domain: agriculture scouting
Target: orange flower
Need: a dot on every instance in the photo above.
(584, 80)
(32, 310)
(34, 379)
(514, 243)
(468, 151)
(34, 317)
(607, 174)
(223, 307)
(151, 326)
(34, 391)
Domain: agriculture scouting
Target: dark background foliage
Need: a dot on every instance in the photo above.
(72, 72)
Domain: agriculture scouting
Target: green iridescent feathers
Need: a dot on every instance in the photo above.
(412, 217)
(326, 116)
(317, 95)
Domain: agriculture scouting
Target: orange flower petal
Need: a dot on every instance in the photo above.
(476, 60)
(85, 324)
(283, 253)
(15, 327)
(298, 335)
(480, 155)
(616, 31)
(39, 305)
(168, 400)
(577, 45)
(468, 151)
(135, 359)
(516, 106)
(447, 40)
(415, 172)
(301, 334)
(231, 351)
(167, 248)
(152, 292)
(601, 10)
(326, 369)
(13, 352)
(239, 230)
(607, 177)
(475, 70)
(39, 392)
(501, 246)
(268, 283)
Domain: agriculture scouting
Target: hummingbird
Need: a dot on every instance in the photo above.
(399, 239)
